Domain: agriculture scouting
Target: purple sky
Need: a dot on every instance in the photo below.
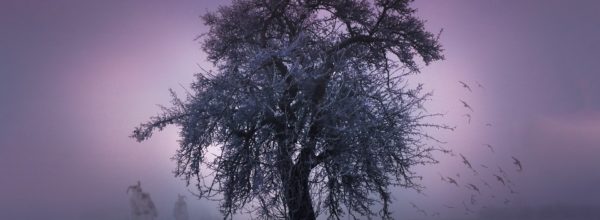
(77, 76)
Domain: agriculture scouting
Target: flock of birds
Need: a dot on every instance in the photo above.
(475, 184)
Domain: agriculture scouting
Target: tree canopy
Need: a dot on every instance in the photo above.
(308, 111)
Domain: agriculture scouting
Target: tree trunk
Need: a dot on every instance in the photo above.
(299, 201)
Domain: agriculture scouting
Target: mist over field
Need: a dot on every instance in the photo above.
(76, 78)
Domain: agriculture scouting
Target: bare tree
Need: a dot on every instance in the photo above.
(308, 108)
(142, 207)
(180, 211)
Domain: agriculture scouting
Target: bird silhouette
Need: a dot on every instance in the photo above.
(468, 118)
(465, 161)
(517, 162)
(501, 170)
(442, 177)
(452, 154)
(452, 181)
(505, 176)
(418, 209)
(467, 208)
(486, 184)
(466, 105)
(479, 85)
(473, 201)
(484, 166)
(500, 179)
(473, 187)
(490, 147)
(488, 124)
(464, 85)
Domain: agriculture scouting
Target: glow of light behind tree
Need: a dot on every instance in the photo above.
(308, 107)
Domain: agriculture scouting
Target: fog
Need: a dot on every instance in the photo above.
(76, 77)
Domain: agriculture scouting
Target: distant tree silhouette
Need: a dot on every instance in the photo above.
(180, 212)
(142, 207)
(308, 108)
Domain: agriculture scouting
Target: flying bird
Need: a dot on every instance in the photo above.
(517, 162)
(466, 105)
(500, 179)
(505, 175)
(466, 162)
(479, 85)
(484, 166)
(473, 187)
(486, 184)
(464, 85)
(448, 206)
(467, 208)
(488, 124)
(468, 118)
(452, 154)
(442, 177)
(418, 209)
(452, 181)
(490, 147)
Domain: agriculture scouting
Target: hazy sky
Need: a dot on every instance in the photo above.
(77, 76)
